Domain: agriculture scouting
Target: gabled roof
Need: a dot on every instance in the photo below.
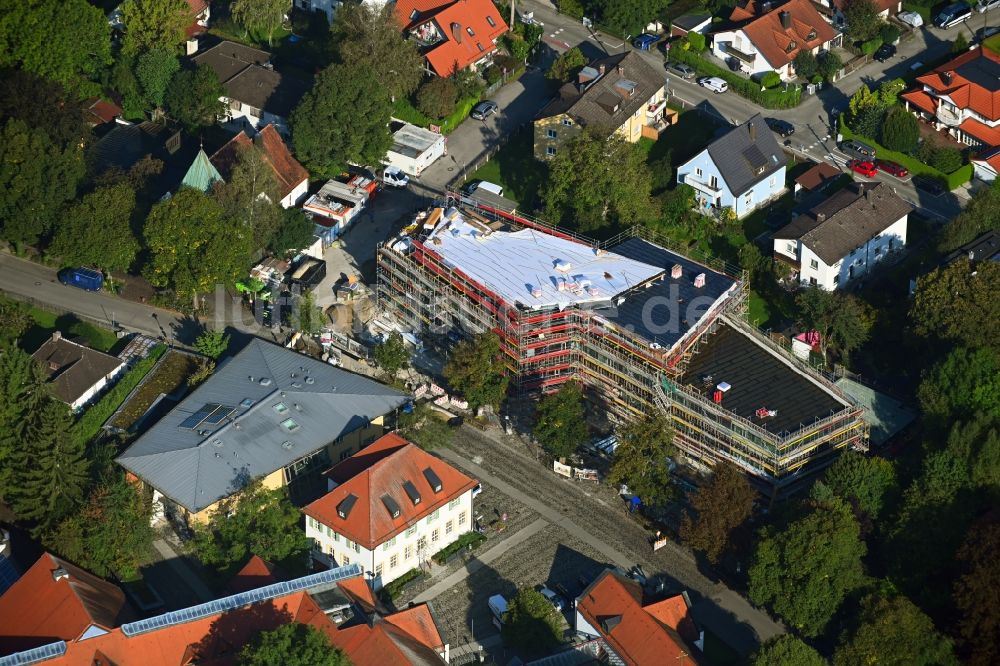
(453, 19)
(846, 220)
(257, 572)
(201, 174)
(246, 75)
(818, 176)
(389, 468)
(288, 173)
(971, 81)
(38, 609)
(746, 155)
(98, 111)
(73, 369)
(612, 605)
(261, 410)
(779, 45)
(625, 83)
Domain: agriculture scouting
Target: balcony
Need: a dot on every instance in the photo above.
(711, 188)
(748, 58)
(949, 115)
(655, 111)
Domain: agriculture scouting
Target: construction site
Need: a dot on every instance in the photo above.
(640, 325)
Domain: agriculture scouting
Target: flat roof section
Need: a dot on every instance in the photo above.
(533, 268)
(667, 309)
(758, 378)
(413, 141)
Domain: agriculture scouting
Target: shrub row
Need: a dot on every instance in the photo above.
(469, 539)
(393, 589)
(770, 99)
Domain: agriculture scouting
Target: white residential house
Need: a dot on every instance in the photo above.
(844, 237)
(77, 373)
(391, 507)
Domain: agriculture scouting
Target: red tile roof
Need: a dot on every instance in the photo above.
(288, 173)
(988, 135)
(612, 605)
(255, 573)
(818, 176)
(921, 100)
(37, 609)
(453, 18)
(99, 111)
(418, 623)
(780, 45)
(948, 80)
(381, 470)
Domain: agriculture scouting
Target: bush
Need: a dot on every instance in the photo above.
(566, 66)
(506, 63)
(770, 80)
(830, 65)
(871, 46)
(697, 42)
(901, 131)
(393, 589)
(491, 74)
(437, 97)
(805, 64)
(778, 98)
(571, 8)
(947, 159)
(469, 539)
(889, 33)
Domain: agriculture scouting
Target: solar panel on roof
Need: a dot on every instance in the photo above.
(755, 157)
(8, 574)
(35, 655)
(192, 421)
(221, 413)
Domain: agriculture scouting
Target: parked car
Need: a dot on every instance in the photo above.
(912, 19)
(987, 32)
(645, 41)
(680, 69)
(484, 186)
(953, 14)
(859, 148)
(713, 83)
(498, 608)
(885, 52)
(864, 167)
(782, 128)
(984, 6)
(484, 110)
(552, 597)
(893, 169)
(528, 18)
(733, 64)
(394, 177)
(929, 184)
(82, 278)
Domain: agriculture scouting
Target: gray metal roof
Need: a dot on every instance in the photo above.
(746, 155)
(197, 465)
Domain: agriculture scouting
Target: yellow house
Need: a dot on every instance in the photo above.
(618, 95)
(267, 413)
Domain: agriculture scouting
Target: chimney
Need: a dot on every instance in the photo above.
(786, 19)
(456, 32)
(621, 69)
(752, 130)
(947, 77)
(56, 335)
(820, 217)
(676, 271)
(699, 280)
(600, 69)
(59, 574)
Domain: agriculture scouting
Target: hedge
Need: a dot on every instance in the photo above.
(954, 179)
(469, 539)
(770, 99)
(87, 427)
(393, 589)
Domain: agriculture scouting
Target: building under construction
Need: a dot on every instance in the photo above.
(640, 325)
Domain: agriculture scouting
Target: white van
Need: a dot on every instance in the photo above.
(714, 83)
(486, 186)
(498, 607)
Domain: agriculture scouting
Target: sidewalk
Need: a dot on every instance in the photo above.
(183, 571)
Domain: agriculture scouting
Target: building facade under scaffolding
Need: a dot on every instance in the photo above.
(640, 325)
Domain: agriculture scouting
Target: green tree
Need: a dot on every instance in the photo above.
(566, 66)
(250, 195)
(863, 20)
(51, 469)
(437, 97)
(154, 70)
(296, 232)
(475, 369)
(531, 623)
(719, 507)
(66, 41)
(843, 320)
(37, 178)
(308, 317)
(953, 302)
(805, 64)
(696, 42)
(805, 570)
(111, 534)
(867, 481)
(107, 209)
(193, 248)
(392, 355)
(366, 33)
(15, 319)
(425, 428)
(292, 644)
(596, 184)
(560, 420)
(344, 118)
(640, 462)
(787, 650)
(212, 342)
(254, 521)
(193, 97)
(152, 24)
(978, 217)
(263, 16)
(900, 130)
(894, 632)
(867, 108)
(42, 104)
(829, 64)
(974, 595)
(122, 79)
(23, 395)
(961, 43)
(963, 383)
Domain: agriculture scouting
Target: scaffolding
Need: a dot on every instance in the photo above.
(545, 347)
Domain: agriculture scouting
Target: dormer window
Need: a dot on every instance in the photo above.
(811, 36)
(471, 33)
(489, 19)
(791, 46)
(414, 14)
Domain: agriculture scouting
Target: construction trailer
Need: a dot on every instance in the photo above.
(640, 325)
(413, 148)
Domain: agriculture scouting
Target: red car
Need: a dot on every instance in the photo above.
(864, 167)
(893, 169)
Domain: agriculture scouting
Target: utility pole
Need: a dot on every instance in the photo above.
(512, 2)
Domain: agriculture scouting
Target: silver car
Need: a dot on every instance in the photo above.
(684, 71)
(484, 110)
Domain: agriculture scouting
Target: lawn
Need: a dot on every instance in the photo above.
(172, 374)
(46, 323)
(404, 110)
(515, 168)
(684, 139)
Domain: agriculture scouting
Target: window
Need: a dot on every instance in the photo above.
(407, 552)
(311, 522)
(489, 19)
(551, 134)
(770, 182)
(697, 171)
(357, 548)
(812, 281)
(280, 408)
(890, 244)
(344, 562)
(411, 531)
(378, 570)
(471, 33)
(567, 122)
(414, 14)
(336, 538)
(348, 543)
(749, 198)
(461, 518)
(389, 544)
(452, 504)
(393, 561)
(481, 49)
(345, 454)
(550, 151)
(434, 516)
(290, 425)
(790, 248)
(434, 536)
(448, 527)
(836, 279)
(813, 264)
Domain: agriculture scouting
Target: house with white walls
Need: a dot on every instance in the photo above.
(845, 237)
